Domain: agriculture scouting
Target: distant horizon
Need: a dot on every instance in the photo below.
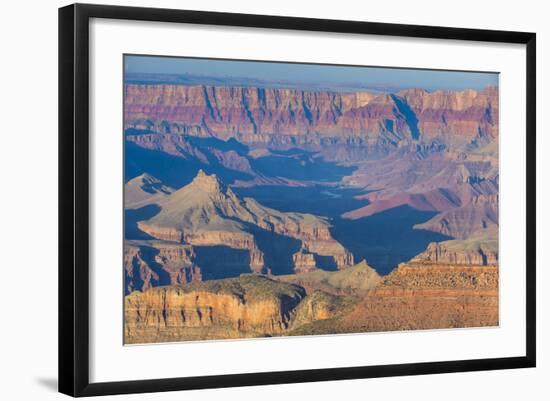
(315, 76)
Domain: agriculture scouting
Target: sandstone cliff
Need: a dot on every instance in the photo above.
(441, 182)
(475, 251)
(144, 190)
(304, 261)
(466, 112)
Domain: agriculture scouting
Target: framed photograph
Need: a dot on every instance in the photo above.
(249, 199)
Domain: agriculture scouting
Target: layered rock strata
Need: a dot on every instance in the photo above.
(248, 306)
(463, 253)
(304, 261)
(150, 264)
(206, 212)
(253, 114)
(144, 190)
(420, 296)
(477, 217)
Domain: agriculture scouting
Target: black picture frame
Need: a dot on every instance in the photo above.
(74, 198)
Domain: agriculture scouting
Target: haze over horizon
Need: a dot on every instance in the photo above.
(314, 75)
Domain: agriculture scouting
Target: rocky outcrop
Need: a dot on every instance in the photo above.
(435, 183)
(150, 264)
(465, 113)
(304, 261)
(415, 275)
(206, 212)
(231, 111)
(248, 306)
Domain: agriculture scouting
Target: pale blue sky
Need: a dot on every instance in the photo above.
(312, 74)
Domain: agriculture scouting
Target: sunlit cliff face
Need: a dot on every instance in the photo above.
(231, 231)
(253, 114)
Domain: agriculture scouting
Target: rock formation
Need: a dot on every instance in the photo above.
(477, 252)
(206, 213)
(248, 306)
(208, 152)
(417, 296)
(150, 264)
(144, 190)
(434, 151)
(431, 154)
(254, 114)
(414, 296)
(304, 261)
(416, 275)
(438, 183)
(477, 217)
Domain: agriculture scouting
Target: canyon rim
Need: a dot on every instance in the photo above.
(282, 199)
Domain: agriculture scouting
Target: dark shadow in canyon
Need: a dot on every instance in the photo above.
(133, 216)
(386, 238)
(229, 160)
(220, 261)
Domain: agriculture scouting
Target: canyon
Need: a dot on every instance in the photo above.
(255, 211)
(412, 297)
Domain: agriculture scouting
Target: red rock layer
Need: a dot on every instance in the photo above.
(253, 114)
(152, 264)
